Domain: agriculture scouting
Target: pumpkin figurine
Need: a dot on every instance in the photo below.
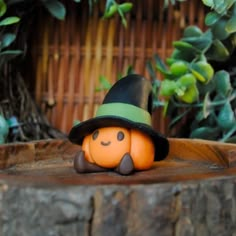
(120, 137)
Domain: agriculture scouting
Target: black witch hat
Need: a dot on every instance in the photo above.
(127, 104)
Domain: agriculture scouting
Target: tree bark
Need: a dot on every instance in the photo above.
(184, 209)
(181, 196)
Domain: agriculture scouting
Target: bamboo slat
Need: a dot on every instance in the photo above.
(69, 56)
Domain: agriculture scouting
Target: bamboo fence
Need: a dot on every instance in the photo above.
(69, 56)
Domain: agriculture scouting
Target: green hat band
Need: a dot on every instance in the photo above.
(126, 111)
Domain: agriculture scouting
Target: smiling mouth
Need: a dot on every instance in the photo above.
(105, 143)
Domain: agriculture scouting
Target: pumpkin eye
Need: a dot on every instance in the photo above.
(120, 136)
(95, 134)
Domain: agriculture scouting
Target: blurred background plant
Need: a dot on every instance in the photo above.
(20, 117)
(198, 90)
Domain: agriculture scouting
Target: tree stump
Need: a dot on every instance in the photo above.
(190, 193)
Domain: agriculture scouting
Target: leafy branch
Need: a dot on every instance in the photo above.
(19, 117)
(198, 84)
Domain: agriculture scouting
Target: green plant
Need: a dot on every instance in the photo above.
(58, 10)
(6, 55)
(24, 120)
(105, 84)
(199, 89)
(7, 38)
(112, 7)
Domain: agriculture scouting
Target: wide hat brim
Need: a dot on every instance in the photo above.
(79, 131)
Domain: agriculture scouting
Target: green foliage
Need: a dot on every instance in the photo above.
(9, 20)
(4, 129)
(112, 7)
(198, 85)
(3, 8)
(56, 8)
(6, 39)
(105, 84)
(15, 14)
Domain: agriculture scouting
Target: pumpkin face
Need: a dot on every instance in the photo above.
(107, 146)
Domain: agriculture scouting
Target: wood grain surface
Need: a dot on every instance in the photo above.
(190, 193)
(51, 161)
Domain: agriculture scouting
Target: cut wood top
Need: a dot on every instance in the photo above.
(49, 162)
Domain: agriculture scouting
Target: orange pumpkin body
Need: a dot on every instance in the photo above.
(106, 147)
(142, 150)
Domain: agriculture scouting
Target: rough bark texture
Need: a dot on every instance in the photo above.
(199, 208)
(191, 193)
